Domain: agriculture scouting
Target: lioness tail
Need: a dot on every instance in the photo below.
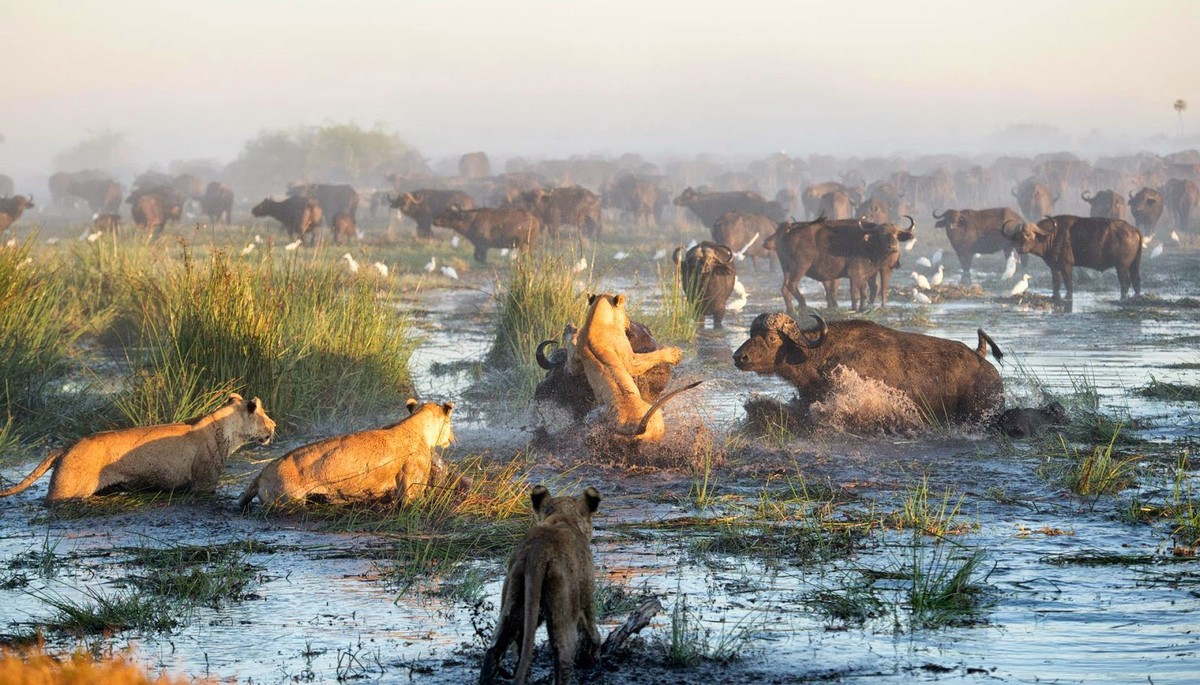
(37, 473)
(535, 572)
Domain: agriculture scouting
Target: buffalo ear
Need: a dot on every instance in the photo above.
(905, 236)
(539, 496)
(592, 497)
(412, 405)
(448, 407)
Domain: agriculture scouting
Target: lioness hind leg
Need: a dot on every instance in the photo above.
(564, 642)
(508, 629)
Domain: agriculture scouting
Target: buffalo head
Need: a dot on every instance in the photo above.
(775, 339)
(1027, 235)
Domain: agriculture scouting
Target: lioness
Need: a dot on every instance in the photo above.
(550, 577)
(603, 352)
(166, 457)
(359, 466)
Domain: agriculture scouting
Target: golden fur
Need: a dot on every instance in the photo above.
(360, 466)
(610, 364)
(165, 457)
(551, 577)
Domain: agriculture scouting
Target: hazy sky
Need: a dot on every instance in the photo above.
(198, 78)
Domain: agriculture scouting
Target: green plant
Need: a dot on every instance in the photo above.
(1172, 392)
(1093, 473)
(97, 612)
(194, 575)
(675, 316)
(937, 519)
(945, 585)
(690, 642)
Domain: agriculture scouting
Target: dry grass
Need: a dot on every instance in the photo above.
(36, 667)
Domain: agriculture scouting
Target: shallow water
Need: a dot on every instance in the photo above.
(322, 613)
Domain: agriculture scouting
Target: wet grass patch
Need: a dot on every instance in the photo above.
(97, 612)
(198, 575)
(672, 318)
(690, 643)
(1170, 392)
(1093, 472)
(946, 586)
(937, 517)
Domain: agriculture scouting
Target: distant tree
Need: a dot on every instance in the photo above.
(106, 150)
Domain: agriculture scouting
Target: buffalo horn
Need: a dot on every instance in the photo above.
(912, 223)
(540, 354)
(658, 404)
(938, 216)
(822, 330)
(719, 249)
(1085, 197)
(675, 257)
(1004, 228)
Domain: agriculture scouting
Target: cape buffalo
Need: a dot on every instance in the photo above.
(1066, 241)
(1034, 199)
(836, 206)
(487, 227)
(154, 208)
(745, 233)
(217, 202)
(11, 209)
(1182, 197)
(895, 198)
(333, 199)
(300, 216)
(945, 379)
(811, 196)
(707, 273)
(976, 231)
(1105, 204)
(873, 211)
(102, 195)
(639, 199)
(474, 165)
(710, 206)
(574, 206)
(1147, 208)
(423, 205)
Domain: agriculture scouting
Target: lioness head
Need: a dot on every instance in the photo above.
(608, 310)
(254, 425)
(579, 508)
(436, 418)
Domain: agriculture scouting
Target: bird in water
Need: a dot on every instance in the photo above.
(937, 257)
(1175, 236)
(454, 241)
(294, 245)
(920, 280)
(741, 254)
(381, 268)
(350, 263)
(620, 256)
(1010, 269)
(248, 249)
(662, 252)
(924, 262)
(910, 244)
(739, 290)
(921, 297)
(1020, 287)
(431, 265)
(1158, 250)
(939, 276)
(581, 265)
(449, 272)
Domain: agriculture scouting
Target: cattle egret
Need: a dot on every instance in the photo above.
(294, 245)
(620, 255)
(581, 265)
(350, 263)
(431, 265)
(921, 297)
(86, 232)
(910, 244)
(662, 253)
(449, 272)
(12, 242)
(924, 261)
(258, 239)
(691, 244)
(360, 235)
(741, 254)
(454, 241)
(504, 252)
(937, 257)
(514, 254)
(247, 249)
(740, 291)
(51, 241)
(93, 237)
(381, 268)
(1021, 286)
(1158, 250)
(1010, 269)
(1146, 240)
(1175, 236)
(920, 280)
(939, 276)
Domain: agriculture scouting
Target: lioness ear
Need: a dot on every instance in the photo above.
(619, 301)
(448, 407)
(592, 497)
(539, 496)
(234, 397)
(252, 405)
(591, 299)
(412, 405)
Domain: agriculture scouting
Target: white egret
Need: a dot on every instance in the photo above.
(939, 276)
(662, 253)
(581, 265)
(739, 290)
(1010, 269)
(294, 245)
(1158, 250)
(741, 254)
(924, 262)
(937, 257)
(921, 297)
(620, 256)
(1175, 236)
(449, 272)
(1020, 287)
(381, 268)
(353, 265)
(247, 249)
(920, 280)
(454, 241)
(431, 265)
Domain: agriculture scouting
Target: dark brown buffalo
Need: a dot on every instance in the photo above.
(836, 206)
(300, 216)
(474, 165)
(873, 211)
(710, 206)
(190, 186)
(1105, 204)
(1066, 241)
(423, 205)
(892, 196)
(6, 186)
(745, 234)
(102, 195)
(1063, 174)
(153, 209)
(149, 180)
(334, 199)
(811, 196)
(707, 273)
(573, 394)
(976, 231)
(107, 223)
(638, 199)
(1025, 422)
(217, 203)
(344, 228)
(491, 228)
(1147, 208)
(1034, 199)
(828, 250)
(11, 209)
(60, 184)
(557, 207)
(1182, 196)
(945, 379)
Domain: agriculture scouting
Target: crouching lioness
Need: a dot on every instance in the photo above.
(166, 457)
(360, 466)
(551, 578)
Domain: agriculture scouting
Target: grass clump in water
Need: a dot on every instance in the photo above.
(675, 317)
(97, 612)
(1171, 392)
(946, 586)
(1092, 473)
(197, 575)
(309, 339)
(691, 643)
(931, 518)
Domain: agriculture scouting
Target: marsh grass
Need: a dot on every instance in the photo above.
(853, 600)
(936, 518)
(541, 295)
(35, 335)
(1171, 392)
(672, 317)
(1092, 473)
(691, 643)
(946, 585)
(99, 612)
(197, 575)
(617, 598)
(308, 338)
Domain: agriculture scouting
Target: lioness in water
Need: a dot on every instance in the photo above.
(360, 466)
(603, 352)
(550, 577)
(165, 457)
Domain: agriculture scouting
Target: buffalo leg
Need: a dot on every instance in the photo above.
(1135, 275)
(481, 254)
(831, 287)
(885, 282)
(965, 260)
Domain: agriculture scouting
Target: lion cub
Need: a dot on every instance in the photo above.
(359, 466)
(604, 354)
(164, 457)
(550, 577)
